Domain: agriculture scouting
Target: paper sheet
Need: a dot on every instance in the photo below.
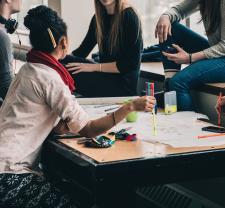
(107, 100)
(177, 130)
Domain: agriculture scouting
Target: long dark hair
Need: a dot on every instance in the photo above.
(211, 14)
(116, 32)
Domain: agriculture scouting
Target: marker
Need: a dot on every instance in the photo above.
(210, 135)
(109, 109)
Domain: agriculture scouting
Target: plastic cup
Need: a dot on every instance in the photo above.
(170, 99)
(132, 116)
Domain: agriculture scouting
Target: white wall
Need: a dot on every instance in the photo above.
(77, 14)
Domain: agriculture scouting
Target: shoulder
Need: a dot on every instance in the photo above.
(93, 20)
(41, 74)
(131, 20)
(4, 38)
(130, 15)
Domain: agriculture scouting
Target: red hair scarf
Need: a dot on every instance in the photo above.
(45, 58)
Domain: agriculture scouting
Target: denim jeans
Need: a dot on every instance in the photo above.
(196, 74)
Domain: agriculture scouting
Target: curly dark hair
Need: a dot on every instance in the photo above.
(38, 21)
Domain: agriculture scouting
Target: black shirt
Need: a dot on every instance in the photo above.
(128, 57)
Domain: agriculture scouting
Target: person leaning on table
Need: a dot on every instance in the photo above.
(39, 98)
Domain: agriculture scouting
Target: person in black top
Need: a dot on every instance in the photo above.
(116, 28)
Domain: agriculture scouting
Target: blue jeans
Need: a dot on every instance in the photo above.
(196, 74)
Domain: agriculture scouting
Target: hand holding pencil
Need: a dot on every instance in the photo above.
(220, 103)
(150, 91)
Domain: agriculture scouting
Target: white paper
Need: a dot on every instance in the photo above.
(177, 130)
(107, 100)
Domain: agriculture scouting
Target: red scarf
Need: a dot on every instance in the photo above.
(44, 58)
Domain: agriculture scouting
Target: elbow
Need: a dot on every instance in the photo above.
(88, 131)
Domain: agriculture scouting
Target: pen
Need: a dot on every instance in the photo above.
(101, 106)
(210, 135)
(109, 109)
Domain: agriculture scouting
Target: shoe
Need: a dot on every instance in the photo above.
(152, 48)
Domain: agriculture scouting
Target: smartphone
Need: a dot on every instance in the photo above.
(214, 129)
(170, 49)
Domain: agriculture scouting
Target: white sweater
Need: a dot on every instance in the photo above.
(216, 40)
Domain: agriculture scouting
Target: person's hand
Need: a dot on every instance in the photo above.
(76, 68)
(145, 103)
(182, 57)
(219, 104)
(163, 28)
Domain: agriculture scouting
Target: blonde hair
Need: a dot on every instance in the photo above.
(115, 35)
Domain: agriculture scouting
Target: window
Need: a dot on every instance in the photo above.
(150, 11)
(26, 5)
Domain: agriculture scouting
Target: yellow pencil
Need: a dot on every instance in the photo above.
(154, 122)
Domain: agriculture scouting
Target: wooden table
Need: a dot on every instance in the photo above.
(109, 177)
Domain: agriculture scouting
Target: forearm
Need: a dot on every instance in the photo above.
(198, 56)
(182, 10)
(109, 67)
(101, 125)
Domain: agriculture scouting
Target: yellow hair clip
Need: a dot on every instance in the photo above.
(52, 38)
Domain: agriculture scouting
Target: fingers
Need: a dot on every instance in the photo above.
(77, 71)
(165, 33)
(161, 33)
(218, 106)
(177, 47)
(74, 68)
(151, 99)
(217, 109)
(170, 30)
(170, 56)
(156, 32)
(71, 65)
(149, 108)
(150, 103)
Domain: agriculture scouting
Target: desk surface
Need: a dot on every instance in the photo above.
(92, 179)
(123, 150)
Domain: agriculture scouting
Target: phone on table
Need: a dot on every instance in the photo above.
(214, 129)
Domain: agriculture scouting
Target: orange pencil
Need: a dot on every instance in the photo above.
(211, 135)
